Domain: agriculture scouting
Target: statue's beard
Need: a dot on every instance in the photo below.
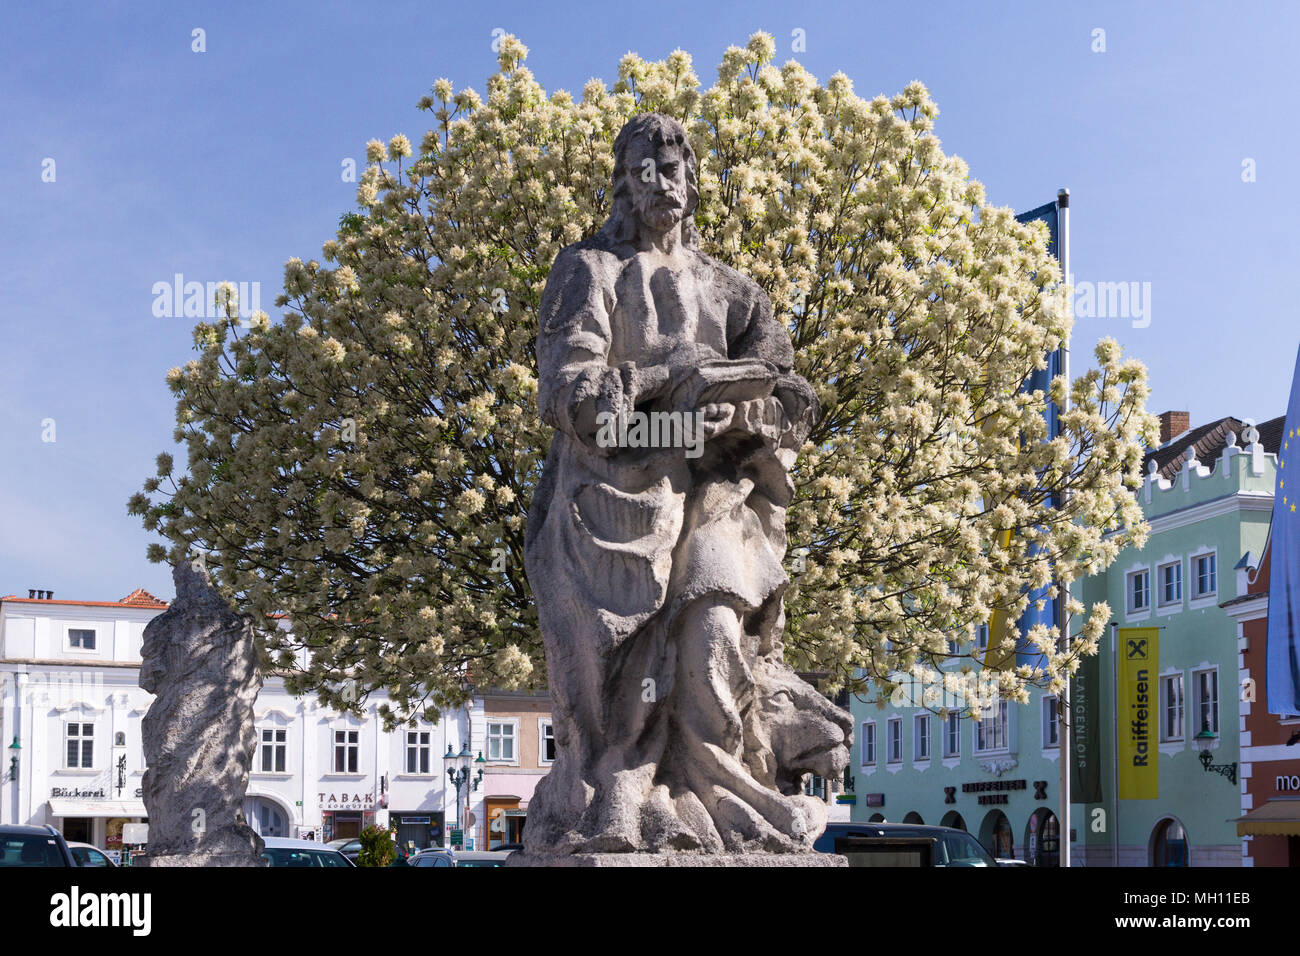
(661, 215)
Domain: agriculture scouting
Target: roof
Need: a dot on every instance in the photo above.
(1209, 441)
(139, 598)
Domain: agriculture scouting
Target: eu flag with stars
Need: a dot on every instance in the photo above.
(1283, 661)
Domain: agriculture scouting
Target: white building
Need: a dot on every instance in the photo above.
(70, 700)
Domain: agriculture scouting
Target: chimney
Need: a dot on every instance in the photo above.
(49, 595)
(1173, 424)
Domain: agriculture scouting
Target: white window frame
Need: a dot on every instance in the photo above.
(513, 724)
(545, 728)
(70, 626)
(1196, 595)
(418, 748)
(263, 746)
(1162, 601)
(1002, 718)
(867, 745)
(894, 755)
(1051, 722)
(952, 736)
(1130, 608)
(80, 723)
(982, 636)
(347, 745)
(921, 738)
(1196, 689)
(1166, 681)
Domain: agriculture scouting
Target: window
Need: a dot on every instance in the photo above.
(952, 736)
(274, 745)
(1171, 707)
(1051, 722)
(1207, 700)
(991, 729)
(501, 741)
(868, 743)
(82, 638)
(895, 754)
(80, 739)
(982, 636)
(417, 751)
(1206, 567)
(346, 746)
(815, 786)
(1139, 591)
(546, 742)
(1171, 583)
(921, 737)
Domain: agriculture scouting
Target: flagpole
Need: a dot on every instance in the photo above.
(1065, 744)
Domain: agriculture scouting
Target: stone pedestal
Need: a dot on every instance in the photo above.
(583, 860)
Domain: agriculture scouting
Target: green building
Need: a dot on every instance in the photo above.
(1207, 498)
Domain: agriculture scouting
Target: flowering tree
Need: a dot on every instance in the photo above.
(364, 466)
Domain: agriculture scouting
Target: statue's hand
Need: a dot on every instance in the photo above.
(761, 417)
(717, 419)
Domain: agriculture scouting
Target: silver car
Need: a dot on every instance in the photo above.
(284, 851)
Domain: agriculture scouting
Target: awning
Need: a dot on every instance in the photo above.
(64, 807)
(1278, 817)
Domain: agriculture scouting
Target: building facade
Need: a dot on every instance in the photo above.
(71, 704)
(1269, 824)
(1207, 501)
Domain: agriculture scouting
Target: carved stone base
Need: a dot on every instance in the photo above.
(523, 858)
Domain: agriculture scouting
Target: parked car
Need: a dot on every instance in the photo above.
(434, 856)
(283, 851)
(481, 857)
(506, 846)
(903, 844)
(351, 848)
(441, 856)
(87, 855)
(22, 845)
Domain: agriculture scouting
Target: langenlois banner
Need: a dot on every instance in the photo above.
(1139, 659)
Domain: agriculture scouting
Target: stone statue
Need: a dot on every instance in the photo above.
(200, 660)
(655, 541)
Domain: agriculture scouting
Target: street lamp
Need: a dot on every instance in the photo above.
(1205, 742)
(458, 774)
(15, 749)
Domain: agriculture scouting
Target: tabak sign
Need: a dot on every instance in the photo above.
(346, 801)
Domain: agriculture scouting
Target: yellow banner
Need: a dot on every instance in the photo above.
(1138, 713)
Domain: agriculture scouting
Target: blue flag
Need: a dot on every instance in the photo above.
(1283, 660)
(1040, 379)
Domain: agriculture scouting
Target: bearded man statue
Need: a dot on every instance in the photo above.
(655, 541)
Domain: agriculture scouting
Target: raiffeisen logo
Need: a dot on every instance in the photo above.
(77, 909)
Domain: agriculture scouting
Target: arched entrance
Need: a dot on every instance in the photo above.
(267, 817)
(1169, 846)
(996, 836)
(953, 819)
(913, 817)
(1043, 839)
(877, 818)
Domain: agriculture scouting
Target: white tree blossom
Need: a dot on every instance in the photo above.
(364, 465)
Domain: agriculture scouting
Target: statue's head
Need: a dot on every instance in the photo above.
(655, 184)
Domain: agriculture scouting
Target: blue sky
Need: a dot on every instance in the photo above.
(222, 164)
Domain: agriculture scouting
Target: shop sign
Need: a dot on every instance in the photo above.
(346, 801)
